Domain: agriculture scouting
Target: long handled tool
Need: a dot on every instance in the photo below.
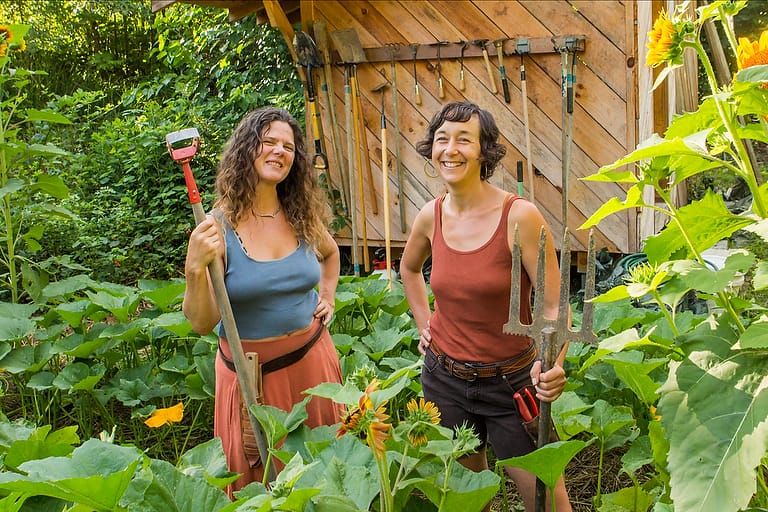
(416, 91)
(326, 86)
(499, 44)
(309, 57)
(568, 74)
(551, 335)
(396, 119)
(481, 43)
(440, 89)
(358, 159)
(462, 83)
(351, 159)
(522, 48)
(385, 183)
(183, 154)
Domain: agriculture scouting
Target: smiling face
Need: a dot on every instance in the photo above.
(456, 150)
(276, 154)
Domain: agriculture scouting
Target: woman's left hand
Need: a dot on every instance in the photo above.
(324, 310)
(550, 384)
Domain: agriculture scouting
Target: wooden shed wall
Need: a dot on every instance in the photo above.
(605, 107)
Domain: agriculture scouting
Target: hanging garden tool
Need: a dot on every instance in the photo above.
(416, 91)
(523, 48)
(351, 51)
(481, 43)
(183, 145)
(551, 335)
(396, 121)
(499, 44)
(462, 84)
(385, 183)
(309, 58)
(440, 90)
(567, 79)
(326, 86)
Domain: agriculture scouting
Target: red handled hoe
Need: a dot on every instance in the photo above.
(182, 145)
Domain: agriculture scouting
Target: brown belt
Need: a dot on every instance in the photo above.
(283, 361)
(472, 371)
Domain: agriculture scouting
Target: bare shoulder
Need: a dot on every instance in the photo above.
(424, 222)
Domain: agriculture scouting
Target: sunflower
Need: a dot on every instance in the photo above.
(5, 33)
(752, 53)
(167, 415)
(377, 431)
(421, 414)
(661, 39)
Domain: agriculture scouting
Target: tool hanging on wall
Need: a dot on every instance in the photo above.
(520, 178)
(385, 182)
(396, 121)
(567, 79)
(462, 84)
(366, 154)
(416, 91)
(523, 48)
(309, 57)
(481, 43)
(351, 53)
(499, 44)
(440, 90)
(329, 97)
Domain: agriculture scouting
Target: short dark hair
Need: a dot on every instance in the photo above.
(491, 150)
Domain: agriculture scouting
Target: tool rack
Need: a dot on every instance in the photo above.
(428, 51)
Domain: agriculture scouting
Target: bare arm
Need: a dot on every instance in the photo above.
(330, 265)
(199, 305)
(417, 249)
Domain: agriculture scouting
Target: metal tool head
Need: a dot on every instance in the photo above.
(479, 42)
(348, 45)
(183, 144)
(561, 324)
(380, 87)
(523, 46)
(499, 43)
(306, 50)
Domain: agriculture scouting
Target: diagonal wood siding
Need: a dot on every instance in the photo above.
(604, 115)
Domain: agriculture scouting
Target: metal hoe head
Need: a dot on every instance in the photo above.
(183, 144)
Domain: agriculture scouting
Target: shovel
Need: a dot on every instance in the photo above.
(182, 145)
(309, 57)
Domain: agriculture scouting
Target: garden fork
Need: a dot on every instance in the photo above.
(550, 335)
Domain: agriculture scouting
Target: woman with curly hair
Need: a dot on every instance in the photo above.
(471, 368)
(281, 271)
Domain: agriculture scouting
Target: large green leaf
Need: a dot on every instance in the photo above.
(465, 490)
(548, 462)
(162, 487)
(714, 407)
(96, 475)
(706, 222)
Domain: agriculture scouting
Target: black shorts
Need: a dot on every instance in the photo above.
(485, 404)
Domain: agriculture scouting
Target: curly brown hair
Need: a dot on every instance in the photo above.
(299, 193)
(491, 150)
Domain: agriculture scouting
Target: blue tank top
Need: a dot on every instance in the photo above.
(270, 298)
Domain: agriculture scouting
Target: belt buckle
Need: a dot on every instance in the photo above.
(473, 368)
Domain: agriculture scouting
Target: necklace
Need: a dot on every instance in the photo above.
(268, 215)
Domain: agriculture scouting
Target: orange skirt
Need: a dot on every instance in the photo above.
(282, 388)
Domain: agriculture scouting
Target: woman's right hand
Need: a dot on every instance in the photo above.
(425, 339)
(205, 244)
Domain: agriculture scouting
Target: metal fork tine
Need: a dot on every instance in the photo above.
(513, 325)
(565, 283)
(588, 310)
(538, 297)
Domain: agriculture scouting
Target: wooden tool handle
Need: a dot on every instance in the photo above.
(489, 69)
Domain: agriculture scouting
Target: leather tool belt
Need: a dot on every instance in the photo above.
(283, 361)
(471, 371)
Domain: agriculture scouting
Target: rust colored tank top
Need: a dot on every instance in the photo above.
(471, 290)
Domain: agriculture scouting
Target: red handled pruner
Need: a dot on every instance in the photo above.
(526, 404)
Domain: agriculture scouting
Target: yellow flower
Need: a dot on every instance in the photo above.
(421, 414)
(661, 39)
(167, 415)
(752, 53)
(3, 49)
(5, 33)
(378, 432)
